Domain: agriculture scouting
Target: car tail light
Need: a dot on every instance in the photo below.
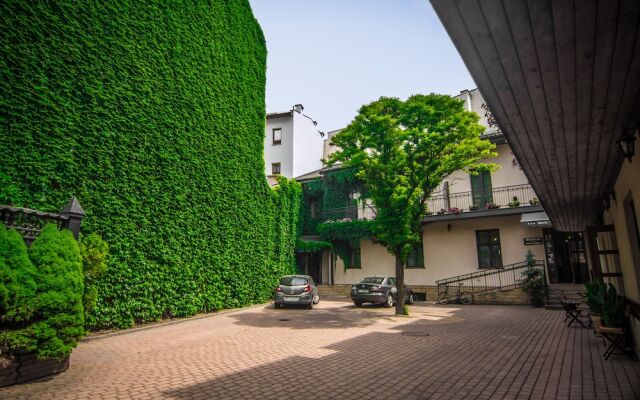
(278, 289)
(307, 288)
(375, 289)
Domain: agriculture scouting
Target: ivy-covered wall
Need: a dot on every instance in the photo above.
(152, 114)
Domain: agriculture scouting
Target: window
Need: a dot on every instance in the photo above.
(293, 281)
(416, 257)
(481, 189)
(275, 168)
(277, 136)
(489, 252)
(354, 261)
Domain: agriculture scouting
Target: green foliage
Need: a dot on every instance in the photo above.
(405, 310)
(47, 315)
(17, 285)
(59, 319)
(347, 230)
(94, 253)
(532, 281)
(339, 186)
(310, 246)
(152, 114)
(594, 296)
(613, 308)
(603, 299)
(401, 151)
(530, 258)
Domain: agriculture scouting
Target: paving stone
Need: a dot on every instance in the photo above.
(337, 351)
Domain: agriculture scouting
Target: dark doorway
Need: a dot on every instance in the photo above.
(310, 264)
(565, 256)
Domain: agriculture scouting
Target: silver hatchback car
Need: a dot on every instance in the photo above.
(296, 289)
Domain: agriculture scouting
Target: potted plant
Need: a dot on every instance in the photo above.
(594, 297)
(442, 211)
(533, 281)
(515, 202)
(535, 202)
(613, 309)
(491, 206)
(454, 210)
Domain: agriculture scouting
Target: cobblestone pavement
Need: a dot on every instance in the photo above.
(337, 351)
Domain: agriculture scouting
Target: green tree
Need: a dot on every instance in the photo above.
(402, 150)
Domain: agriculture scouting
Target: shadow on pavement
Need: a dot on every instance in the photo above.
(367, 366)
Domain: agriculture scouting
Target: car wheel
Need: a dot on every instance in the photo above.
(357, 303)
(389, 302)
(410, 299)
(317, 300)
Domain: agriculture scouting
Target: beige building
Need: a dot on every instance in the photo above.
(477, 223)
(568, 103)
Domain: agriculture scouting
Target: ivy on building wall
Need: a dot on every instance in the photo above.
(152, 114)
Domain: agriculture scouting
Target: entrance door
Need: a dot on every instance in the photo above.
(565, 253)
(489, 252)
(481, 189)
(603, 248)
(314, 267)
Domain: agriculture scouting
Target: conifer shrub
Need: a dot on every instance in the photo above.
(17, 285)
(58, 321)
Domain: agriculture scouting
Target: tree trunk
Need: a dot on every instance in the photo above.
(399, 284)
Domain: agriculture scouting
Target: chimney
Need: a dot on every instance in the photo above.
(298, 108)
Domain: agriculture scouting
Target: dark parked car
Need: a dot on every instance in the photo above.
(296, 289)
(378, 290)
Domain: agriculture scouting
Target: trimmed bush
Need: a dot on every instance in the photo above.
(58, 322)
(17, 285)
(152, 114)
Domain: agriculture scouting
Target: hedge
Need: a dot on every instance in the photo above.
(152, 114)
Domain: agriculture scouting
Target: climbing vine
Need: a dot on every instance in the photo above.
(152, 114)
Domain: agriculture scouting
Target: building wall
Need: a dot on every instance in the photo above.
(308, 146)
(628, 183)
(508, 174)
(282, 153)
(447, 251)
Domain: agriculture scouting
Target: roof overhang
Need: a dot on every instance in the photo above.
(562, 79)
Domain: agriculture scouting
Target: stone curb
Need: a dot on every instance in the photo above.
(158, 324)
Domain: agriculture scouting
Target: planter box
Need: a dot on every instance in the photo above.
(27, 368)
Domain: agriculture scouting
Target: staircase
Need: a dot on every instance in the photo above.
(332, 291)
(571, 292)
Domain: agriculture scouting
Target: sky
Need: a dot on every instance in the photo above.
(333, 56)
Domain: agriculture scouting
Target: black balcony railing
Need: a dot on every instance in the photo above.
(502, 197)
(339, 213)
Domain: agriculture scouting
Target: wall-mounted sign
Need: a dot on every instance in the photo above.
(533, 240)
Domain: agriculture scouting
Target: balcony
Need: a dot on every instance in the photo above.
(496, 198)
(334, 214)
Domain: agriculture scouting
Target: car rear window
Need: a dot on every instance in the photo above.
(293, 281)
(377, 281)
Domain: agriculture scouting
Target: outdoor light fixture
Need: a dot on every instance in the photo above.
(626, 144)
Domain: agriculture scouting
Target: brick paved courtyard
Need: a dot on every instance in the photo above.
(339, 352)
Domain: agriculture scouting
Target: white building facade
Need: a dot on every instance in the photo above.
(293, 145)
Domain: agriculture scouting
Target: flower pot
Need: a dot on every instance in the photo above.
(27, 367)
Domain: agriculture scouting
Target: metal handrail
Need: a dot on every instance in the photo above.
(490, 281)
